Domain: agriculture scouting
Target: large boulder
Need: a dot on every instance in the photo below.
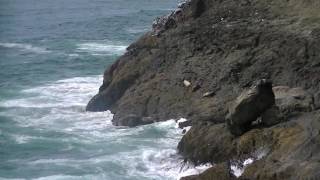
(292, 100)
(207, 143)
(294, 150)
(249, 106)
(289, 102)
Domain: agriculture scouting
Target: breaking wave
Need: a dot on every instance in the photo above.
(95, 48)
(25, 47)
(66, 140)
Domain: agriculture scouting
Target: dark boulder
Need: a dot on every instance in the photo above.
(249, 106)
(207, 143)
(217, 172)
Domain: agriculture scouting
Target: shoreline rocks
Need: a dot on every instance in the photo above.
(222, 47)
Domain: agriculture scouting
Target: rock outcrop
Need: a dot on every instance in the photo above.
(289, 150)
(277, 143)
(221, 48)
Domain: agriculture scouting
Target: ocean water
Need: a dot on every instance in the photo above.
(52, 55)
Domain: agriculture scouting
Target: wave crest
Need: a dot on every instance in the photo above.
(101, 48)
(25, 47)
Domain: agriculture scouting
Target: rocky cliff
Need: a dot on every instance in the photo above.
(195, 63)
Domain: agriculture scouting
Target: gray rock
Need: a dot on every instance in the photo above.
(288, 102)
(249, 106)
(147, 120)
(130, 120)
(291, 100)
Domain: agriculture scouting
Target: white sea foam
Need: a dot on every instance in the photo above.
(25, 47)
(69, 177)
(74, 55)
(21, 139)
(163, 161)
(180, 121)
(135, 30)
(185, 129)
(99, 49)
(63, 93)
(147, 151)
(238, 169)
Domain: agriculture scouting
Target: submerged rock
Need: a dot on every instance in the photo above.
(249, 106)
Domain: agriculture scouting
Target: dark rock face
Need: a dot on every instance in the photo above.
(249, 106)
(220, 46)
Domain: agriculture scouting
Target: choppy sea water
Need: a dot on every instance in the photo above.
(52, 55)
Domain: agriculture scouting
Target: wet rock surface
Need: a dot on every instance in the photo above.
(217, 172)
(222, 48)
